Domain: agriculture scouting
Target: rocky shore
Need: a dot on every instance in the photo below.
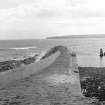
(12, 64)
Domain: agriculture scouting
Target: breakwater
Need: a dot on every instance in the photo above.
(53, 80)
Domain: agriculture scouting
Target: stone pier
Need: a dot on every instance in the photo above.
(53, 80)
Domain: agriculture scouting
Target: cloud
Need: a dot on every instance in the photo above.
(55, 8)
(39, 18)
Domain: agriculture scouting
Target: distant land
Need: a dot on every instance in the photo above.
(78, 36)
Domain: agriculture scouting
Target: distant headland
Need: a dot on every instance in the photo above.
(78, 36)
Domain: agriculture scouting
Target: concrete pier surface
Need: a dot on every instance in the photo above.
(52, 80)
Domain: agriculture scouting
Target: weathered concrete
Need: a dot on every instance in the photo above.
(65, 67)
(52, 81)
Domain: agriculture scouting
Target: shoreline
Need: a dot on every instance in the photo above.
(17, 62)
(53, 81)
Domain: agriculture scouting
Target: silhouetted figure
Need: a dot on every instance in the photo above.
(101, 52)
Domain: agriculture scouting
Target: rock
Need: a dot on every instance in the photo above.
(101, 53)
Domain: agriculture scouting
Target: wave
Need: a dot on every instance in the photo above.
(23, 48)
(18, 48)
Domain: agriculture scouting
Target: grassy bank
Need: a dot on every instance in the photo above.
(93, 82)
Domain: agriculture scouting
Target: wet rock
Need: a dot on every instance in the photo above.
(28, 60)
(12, 64)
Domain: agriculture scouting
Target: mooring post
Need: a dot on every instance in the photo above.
(101, 52)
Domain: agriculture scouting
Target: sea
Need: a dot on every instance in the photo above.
(86, 49)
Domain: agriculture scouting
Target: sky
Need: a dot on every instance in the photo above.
(24, 19)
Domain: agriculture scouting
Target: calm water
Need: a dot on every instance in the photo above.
(87, 49)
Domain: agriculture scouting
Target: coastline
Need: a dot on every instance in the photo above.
(57, 87)
(16, 63)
